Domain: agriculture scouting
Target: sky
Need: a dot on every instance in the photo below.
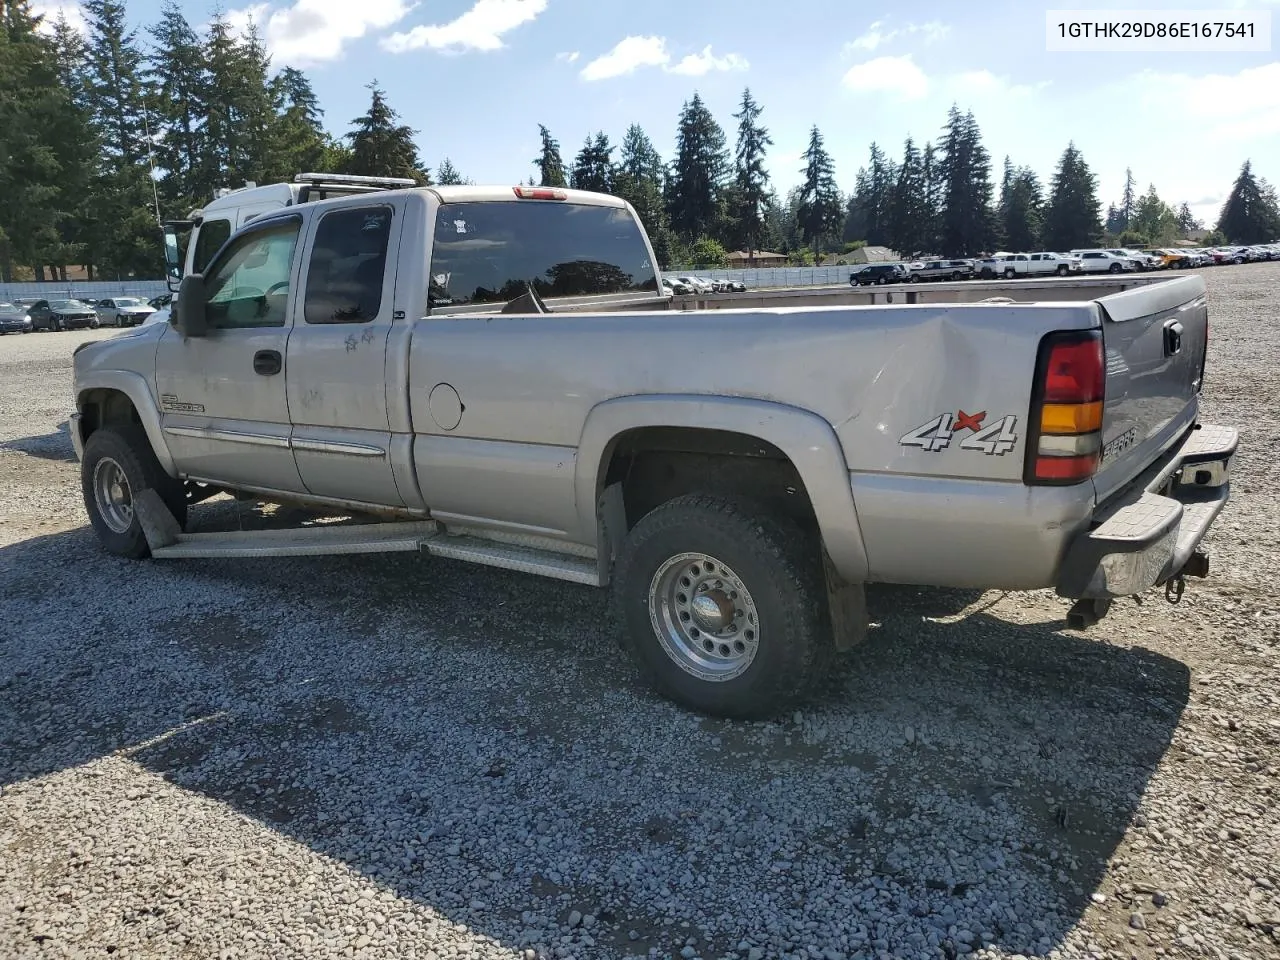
(476, 77)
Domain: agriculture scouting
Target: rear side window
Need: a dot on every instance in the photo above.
(493, 251)
(348, 263)
(213, 234)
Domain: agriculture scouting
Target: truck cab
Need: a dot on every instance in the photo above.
(209, 227)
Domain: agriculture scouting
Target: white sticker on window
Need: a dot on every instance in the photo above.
(460, 226)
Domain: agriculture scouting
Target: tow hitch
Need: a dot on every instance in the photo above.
(1085, 613)
(1173, 589)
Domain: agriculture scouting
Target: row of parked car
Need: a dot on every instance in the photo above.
(1048, 263)
(696, 286)
(29, 314)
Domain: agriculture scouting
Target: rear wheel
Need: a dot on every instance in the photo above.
(914, 278)
(957, 276)
(723, 606)
(1010, 274)
(118, 465)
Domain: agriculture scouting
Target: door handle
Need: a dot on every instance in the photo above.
(267, 362)
(1172, 337)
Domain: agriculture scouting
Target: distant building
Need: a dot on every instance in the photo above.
(761, 258)
(872, 255)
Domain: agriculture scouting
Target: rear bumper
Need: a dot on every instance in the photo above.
(1146, 535)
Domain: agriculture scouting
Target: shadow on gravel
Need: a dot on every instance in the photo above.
(474, 741)
(49, 446)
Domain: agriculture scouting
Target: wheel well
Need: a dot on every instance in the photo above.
(657, 464)
(104, 407)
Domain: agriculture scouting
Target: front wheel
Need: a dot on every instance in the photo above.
(118, 465)
(1116, 268)
(723, 606)
(1010, 274)
(914, 278)
(1062, 271)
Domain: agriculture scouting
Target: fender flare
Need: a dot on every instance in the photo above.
(135, 387)
(807, 439)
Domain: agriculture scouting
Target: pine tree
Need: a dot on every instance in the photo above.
(1128, 202)
(298, 142)
(178, 76)
(698, 171)
(967, 219)
(381, 147)
(907, 224)
(638, 180)
(1154, 219)
(447, 174)
(820, 207)
(123, 237)
(882, 182)
(593, 167)
(1187, 221)
(1071, 217)
(933, 190)
(1022, 210)
(1250, 214)
(750, 177)
(550, 165)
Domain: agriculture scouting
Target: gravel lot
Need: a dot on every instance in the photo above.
(403, 757)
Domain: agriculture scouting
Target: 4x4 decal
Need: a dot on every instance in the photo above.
(995, 439)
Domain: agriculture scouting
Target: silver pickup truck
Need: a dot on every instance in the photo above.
(495, 375)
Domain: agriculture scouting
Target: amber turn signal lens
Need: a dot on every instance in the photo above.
(1071, 417)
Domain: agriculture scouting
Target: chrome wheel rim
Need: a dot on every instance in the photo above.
(112, 495)
(704, 617)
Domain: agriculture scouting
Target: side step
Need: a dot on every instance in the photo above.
(167, 542)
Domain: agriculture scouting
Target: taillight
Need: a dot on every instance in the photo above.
(1065, 442)
(1204, 357)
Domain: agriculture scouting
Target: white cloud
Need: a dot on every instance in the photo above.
(567, 57)
(627, 56)
(68, 8)
(877, 35)
(700, 64)
(1236, 106)
(315, 31)
(480, 28)
(895, 75)
(632, 53)
(984, 83)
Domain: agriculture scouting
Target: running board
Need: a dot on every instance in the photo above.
(167, 542)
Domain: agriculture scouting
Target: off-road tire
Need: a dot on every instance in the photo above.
(129, 447)
(780, 566)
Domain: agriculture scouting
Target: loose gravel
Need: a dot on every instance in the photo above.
(404, 757)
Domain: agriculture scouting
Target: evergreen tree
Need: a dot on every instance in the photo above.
(122, 232)
(179, 79)
(1113, 225)
(698, 172)
(638, 180)
(1250, 214)
(1071, 217)
(447, 174)
(751, 181)
(908, 225)
(881, 183)
(593, 167)
(1128, 202)
(1022, 210)
(967, 221)
(550, 166)
(933, 194)
(1154, 219)
(71, 129)
(1187, 221)
(820, 207)
(298, 142)
(381, 147)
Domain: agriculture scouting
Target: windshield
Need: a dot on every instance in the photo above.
(10, 308)
(490, 251)
(70, 305)
(128, 302)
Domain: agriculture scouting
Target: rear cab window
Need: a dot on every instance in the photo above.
(487, 253)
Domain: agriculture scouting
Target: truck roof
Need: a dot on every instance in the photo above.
(461, 194)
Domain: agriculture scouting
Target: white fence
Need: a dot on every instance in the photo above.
(76, 290)
(764, 277)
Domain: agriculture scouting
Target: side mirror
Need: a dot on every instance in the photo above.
(189, 307)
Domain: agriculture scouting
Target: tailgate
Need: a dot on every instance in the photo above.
(1155, 338)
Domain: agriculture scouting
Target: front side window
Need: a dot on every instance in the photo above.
(249, 286)
(213, 234)
(493, 252)
(348, 261)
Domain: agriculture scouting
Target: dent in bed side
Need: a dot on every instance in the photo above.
(807, 440)
(135, 388)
